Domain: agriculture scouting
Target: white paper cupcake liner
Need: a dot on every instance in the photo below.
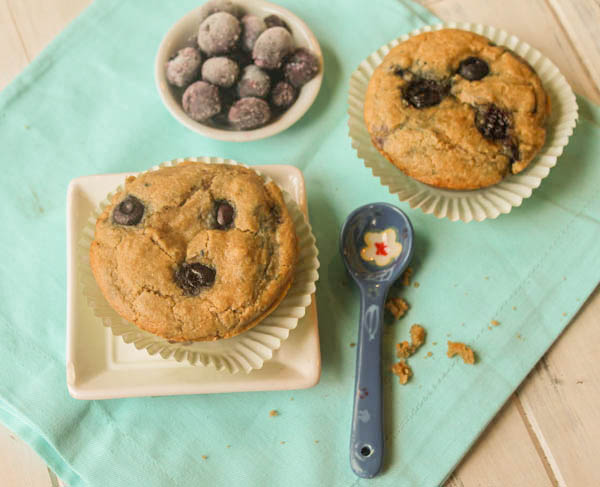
(481, 203)
(246, 351)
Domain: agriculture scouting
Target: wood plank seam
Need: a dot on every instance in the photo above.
(588, 64)
(17, 30)
(555, 9)
(537, 437)
(536, 443)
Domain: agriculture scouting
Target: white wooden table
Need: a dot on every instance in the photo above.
(548, 433)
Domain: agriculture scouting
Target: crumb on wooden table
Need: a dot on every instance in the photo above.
(272, 412)
(402, 370)
(514, 308)
(434, 343)
(416, 284)
(495, 322)
(397, 306)
(352, 345)
(316, 441)
(228, 446)
(429, 354)
(204, 457)
(458, 348)
(282, 442)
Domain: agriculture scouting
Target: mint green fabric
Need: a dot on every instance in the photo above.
(88, 105)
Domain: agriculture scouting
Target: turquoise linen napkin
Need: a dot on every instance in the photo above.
(88, 105)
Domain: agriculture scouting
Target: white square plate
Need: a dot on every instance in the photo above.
(102, 366)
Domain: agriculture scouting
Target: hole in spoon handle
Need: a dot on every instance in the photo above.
(366, 444)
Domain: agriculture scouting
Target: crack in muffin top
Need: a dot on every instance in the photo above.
(453, 110)
(195, 252)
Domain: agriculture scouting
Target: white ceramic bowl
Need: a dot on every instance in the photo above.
(478, 204)
(183, 33)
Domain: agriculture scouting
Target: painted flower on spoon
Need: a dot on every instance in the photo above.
(381, 247)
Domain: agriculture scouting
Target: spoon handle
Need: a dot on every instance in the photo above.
(366, 441)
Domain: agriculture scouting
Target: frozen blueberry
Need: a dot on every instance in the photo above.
(424, 93)
(473, 68)
(275, 21)
(220, 71)
(492, 122)
(249, 113)
(201, 100)
(129, 211)
(271, 47)
(215, 6)
(228, 97)
(219, 34)
(193, 277)
(301, 67)
(254, 82)
(253, 27)
(183, 68)
(283, 95)
(276, 76)
(241, 58)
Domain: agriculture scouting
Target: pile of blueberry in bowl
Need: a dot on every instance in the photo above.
(239, 71)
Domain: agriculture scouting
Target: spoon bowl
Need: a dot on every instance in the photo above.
(375, 217)
(376, 243)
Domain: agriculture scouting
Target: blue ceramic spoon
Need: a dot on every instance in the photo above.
(374, 278)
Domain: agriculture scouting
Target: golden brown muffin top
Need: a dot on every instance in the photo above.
(453, 110)
(196, 251)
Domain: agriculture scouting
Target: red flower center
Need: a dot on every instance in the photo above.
(381, 248)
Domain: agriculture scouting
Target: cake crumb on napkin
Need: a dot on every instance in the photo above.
(417, 338)
(404, 349)
(402, 370)
(417, 335)
(458, 348)
(406, 275)
(397, 306)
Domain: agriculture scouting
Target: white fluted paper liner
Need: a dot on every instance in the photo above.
(477, 204)
(246, 351)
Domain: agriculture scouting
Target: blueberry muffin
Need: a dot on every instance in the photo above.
(196, 251)
(452, 110)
